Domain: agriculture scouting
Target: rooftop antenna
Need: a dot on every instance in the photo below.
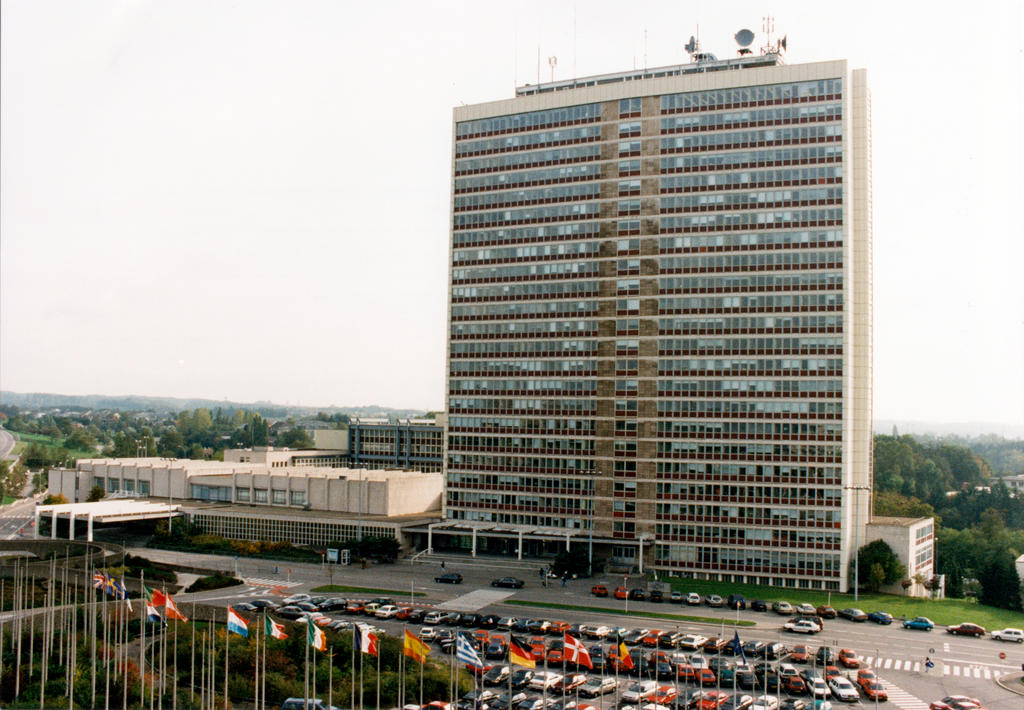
(743, 39)
(767, 26)
(552, 62)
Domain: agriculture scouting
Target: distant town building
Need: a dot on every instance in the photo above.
(416, 444)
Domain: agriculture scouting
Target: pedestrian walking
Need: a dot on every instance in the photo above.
(928, 665)
(442, 565)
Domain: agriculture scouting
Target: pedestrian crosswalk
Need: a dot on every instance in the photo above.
(901, 698)
(261, 582)
(941, 668)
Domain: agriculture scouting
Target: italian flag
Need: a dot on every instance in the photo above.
(273, 629)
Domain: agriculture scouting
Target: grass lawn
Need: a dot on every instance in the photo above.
(942, 611)
(7, 499)
(19, 446)
(623, 612)
(52, 442)
(340, 588)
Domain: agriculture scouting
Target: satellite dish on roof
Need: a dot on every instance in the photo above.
(744, 38)
(692, 45)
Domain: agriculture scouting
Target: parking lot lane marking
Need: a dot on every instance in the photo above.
(901, 698)
(867, 660)
(475, 600)
(956, 670)
(917, 666)
(888, 664)
(945, 670)
(988, 674)
(945, 647)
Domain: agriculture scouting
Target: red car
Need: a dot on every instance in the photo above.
(848, 658)
(621, 593)
(652, 638)
(874, 691)
(665, 695)
(795, 685)
(966, 630)
(707, 677)
(800, 654)
(712, 699)
(599, 590)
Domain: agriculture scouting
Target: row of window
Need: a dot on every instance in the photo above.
(776, 561)
(540, 348)
(809, 343)
(782, 430)
(570, 388)
(116, 485)
(532, 291)
(751, 386)
(755, 240)
(752, 364)
(499, 368)
(751, 261)
(515, 161)
(318, 533)
(537, 251)
(753, 282)
(751, 408)
(527, 121)
(550, 309)
(747, 512)
(483, 462)
(755, 116)
(830, 497)
(574, 427)
(757, 323)
(504, 181)
(537, 233)
(727, 181)
(568, 407)
(702, 162)
(716, 98)
(563, 193)
(564, 486)
(583, 210)
(744, 220)
(751, 139)
(743, 535)
(800, 301)
(529, 519)
(747, 200)
(757, 452)
(730, 471)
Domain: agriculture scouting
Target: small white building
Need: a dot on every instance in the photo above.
(913, 541)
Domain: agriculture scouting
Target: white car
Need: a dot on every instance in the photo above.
(805, 608)
(543, 680)
(801, 626)
(693, 598)
(818, 688)
(428, 633)
(842, 689)
(433, 617)
(388, 611)
(597, 685)
(691, 642)
(1009, 635)
(765, 702)
(296, 598)
(641, 690)
(596, 631)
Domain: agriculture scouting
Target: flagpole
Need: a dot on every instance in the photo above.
(192, 673)
(142, 644)
(202, 674)
(378, 678)
(353, 702)
(423, 662)
(227, 652)
(305, 675)
(330, 676)
(256, 684)
(174, 685)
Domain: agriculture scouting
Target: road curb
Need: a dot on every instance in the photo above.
(1012, 683)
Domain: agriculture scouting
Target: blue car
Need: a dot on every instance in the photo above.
(921, 623)
(880, 617)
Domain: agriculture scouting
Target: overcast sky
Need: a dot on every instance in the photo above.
(249, 200)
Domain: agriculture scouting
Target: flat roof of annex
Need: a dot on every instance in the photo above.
(652, 82)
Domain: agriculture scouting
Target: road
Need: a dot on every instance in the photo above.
(963, 665)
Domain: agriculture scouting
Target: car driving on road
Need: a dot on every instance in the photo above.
(508, 583)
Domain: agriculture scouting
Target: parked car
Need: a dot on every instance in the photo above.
(843, 689)
(599, 590)
(966, 630)
(824, 656)
(795, 685)
(782, 607)
(799, 654)
(641, 690)
(597, 686)
(1009, 635)
(676, 597)
(691, 642)
(388, 611)
(638, 594)
(955, 702)
(507, 582)
(714, 600)
(793, 704)
(818, 688)
(449, 578)
(880, 617)
(853, 614)
(765, 702)
(806, 609)
(302, 704)
(920, 623)
(759, 605)
(826, 612)
(874, 691)
(621, 593)
(693, 599)
(736, 601)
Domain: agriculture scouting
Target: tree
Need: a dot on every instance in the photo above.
(95, 494)
(58, 499)
(295, 438)
(80, 439)
(879, 553)
(876, 577)
(1000, 583)
(574, 562)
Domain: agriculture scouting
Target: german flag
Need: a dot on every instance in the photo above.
(520, 657)
(624, 660)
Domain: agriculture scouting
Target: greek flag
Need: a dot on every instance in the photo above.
(466, 653)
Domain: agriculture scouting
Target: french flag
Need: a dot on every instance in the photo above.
(236, 624)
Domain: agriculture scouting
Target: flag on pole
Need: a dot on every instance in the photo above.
(236, 624)
(737, 647)
(576, 652)
(122, 593)
(171, 609)
(110, 585)
(414, 648)
(152, 615)
(316, 637)
(99, 580)
(625, 660)
(367, 639)
(273, 629)
(519, 657)
(155, 596)
(465, 652)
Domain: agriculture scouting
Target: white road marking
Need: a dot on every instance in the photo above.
(888, 663)
(475, 600)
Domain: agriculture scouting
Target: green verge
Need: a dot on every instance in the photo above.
(340, 588)
(944, 612)
(7, 499)
(635, 612)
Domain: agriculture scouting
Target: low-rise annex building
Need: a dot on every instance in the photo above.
(247, 499)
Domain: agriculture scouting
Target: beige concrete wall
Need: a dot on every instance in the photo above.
(332, 439)
(902, 540)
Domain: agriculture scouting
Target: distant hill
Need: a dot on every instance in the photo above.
(1010, 431)
(160, 405)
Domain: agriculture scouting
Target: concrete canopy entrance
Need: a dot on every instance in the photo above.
(104, 511)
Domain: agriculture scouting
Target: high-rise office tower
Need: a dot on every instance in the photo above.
(660, 320)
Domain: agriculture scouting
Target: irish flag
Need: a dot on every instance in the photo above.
(317, 638)
(273, 629)
(236, 624)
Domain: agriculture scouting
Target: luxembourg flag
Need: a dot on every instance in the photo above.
(236, 624)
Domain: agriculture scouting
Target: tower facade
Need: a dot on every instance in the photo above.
(659, 336)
